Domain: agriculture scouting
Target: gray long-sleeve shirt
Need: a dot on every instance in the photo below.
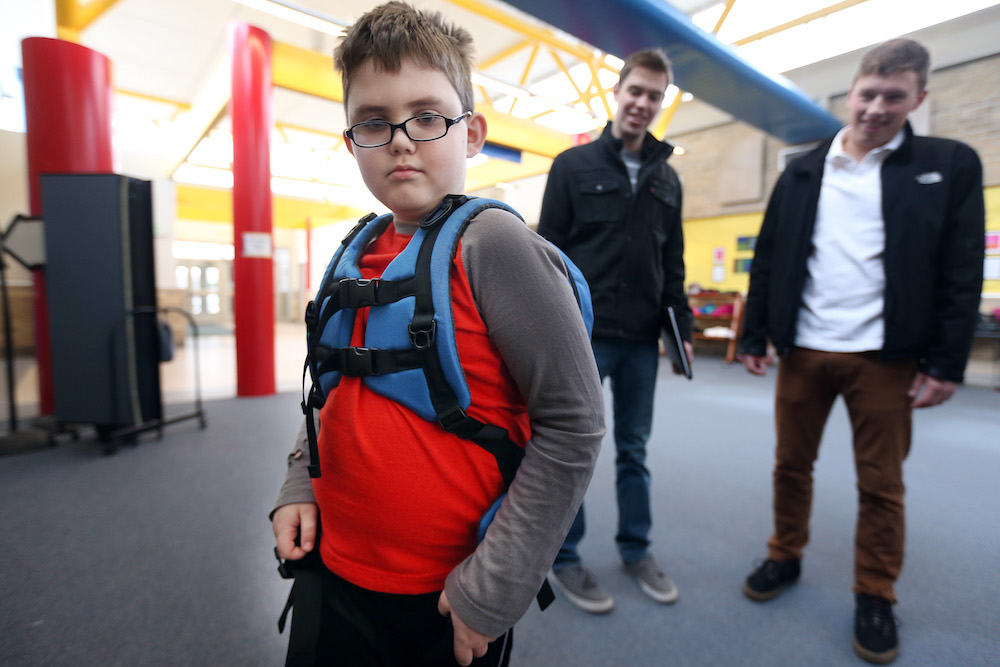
(521, 288)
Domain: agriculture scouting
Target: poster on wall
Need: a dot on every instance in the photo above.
(257, 245)
(992, 243)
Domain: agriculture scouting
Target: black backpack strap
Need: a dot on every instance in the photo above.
(315, 323)
(306, 597)
(450, 414)
(364, 361)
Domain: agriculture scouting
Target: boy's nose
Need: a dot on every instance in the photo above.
(400, 140)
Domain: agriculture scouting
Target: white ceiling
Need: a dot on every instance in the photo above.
(166, 50)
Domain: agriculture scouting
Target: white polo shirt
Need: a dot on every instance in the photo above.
(843, 299)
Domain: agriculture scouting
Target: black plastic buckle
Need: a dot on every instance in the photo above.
(312, 316)
(359, 361)
(358, 293)
(451, 418)
(422, 335)
(282, 570)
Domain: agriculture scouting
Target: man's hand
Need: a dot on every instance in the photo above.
(469, 644)
(927, 391)
(296, 520)
(757, 364)
(689, 353)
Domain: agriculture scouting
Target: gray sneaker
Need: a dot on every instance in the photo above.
(581, 587)
(652, 581)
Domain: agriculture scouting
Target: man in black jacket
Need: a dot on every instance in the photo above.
(614, 206)
(866, 279)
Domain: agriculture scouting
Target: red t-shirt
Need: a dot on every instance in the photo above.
(400, 498)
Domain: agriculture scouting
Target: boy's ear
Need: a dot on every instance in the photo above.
(477, 134)
(348, 143)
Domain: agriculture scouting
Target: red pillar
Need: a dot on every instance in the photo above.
(67, 104)
(250, 110)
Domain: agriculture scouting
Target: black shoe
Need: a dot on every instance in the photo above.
(875, 630)
(771, 578)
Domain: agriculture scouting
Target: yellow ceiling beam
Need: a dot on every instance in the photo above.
(822, 13)
(72, 16)
(215, 205)
(524, 135)
(530, 30)
(723, 17)
(305, 71)
(506, 53)
(497, 171)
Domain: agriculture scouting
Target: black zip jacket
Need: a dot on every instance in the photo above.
(932, 203)
(629, 246)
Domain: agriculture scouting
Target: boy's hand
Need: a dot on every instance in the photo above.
(757, 365)
(927, 391)
(295, 520)
(469, 644)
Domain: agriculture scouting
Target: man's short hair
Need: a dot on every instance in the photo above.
(395, 31)
(652, 59)
(896, 55)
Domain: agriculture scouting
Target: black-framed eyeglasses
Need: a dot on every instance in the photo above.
(425, 127)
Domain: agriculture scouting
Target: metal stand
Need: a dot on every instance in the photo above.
(130, 433)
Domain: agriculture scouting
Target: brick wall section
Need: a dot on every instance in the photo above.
(701, 166)
(965, 105)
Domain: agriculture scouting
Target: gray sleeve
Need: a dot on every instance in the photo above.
(297, 487)
(521, 287)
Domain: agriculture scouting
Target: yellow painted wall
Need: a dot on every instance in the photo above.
(702, 236)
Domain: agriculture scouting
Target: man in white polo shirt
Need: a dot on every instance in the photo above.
(866, 279)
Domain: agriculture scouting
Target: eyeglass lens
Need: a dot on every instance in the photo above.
(418, 128)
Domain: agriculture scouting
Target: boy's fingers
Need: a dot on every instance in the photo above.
(284, 535)
(307, 531)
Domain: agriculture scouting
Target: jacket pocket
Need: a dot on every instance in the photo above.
(599, 201)
(665, 192)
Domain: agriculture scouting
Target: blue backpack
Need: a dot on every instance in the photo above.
(409, 354)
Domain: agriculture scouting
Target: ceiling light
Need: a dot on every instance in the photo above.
(303, 16)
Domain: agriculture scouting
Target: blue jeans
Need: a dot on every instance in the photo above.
(632, 367)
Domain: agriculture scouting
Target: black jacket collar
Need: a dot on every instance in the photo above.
(651, 146)
(815, 159)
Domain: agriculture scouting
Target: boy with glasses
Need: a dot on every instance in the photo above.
(399, 500)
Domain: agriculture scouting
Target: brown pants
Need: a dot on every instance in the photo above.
(880, 413)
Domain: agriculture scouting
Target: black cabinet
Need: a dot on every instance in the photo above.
(101, 296)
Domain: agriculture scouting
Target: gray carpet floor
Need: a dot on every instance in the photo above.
(161, 553)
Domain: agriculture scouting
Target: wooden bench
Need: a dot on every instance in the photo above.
(718, 316)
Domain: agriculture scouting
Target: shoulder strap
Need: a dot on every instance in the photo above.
(442, 369)
(316, 322)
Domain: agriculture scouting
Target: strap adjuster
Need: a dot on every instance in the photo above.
(422, 335)
(451, 418)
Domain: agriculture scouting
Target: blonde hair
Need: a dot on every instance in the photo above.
(896, 55)
(394, 31)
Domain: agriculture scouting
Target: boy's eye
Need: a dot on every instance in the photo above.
(375, 125)
(427, 119)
